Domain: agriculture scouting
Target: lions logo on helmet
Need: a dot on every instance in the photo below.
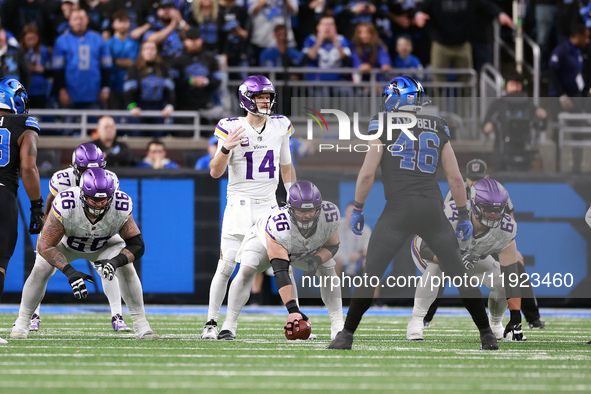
(250, 88)
(13, 96)
(489, 202)
(403, 94)
(305, 202)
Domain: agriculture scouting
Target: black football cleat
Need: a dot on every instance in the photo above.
(537, 324)
(226, 335)
(343, 340)
(488, 341)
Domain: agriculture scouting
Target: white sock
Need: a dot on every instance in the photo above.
(332, 299)
(217, 289)
(37, 310)
(131, 290)
(238, 296)
(425, 292)
(33, 293)
(113, 293)
(497, 304)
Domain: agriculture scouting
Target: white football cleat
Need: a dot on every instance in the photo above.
(414, 330)
(312, 337)
(210, 331)
(19, 333)
(149, 336)
(3, 341)
(497, 329)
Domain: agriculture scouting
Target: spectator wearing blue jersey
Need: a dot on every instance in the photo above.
(404, 57)
(38, 60)
(281, 55)
(165, 30)
(156, 157)
(82, 64)
(204, 14)
(212, 148)
(12, 61)
(123, 51)
(368, 51)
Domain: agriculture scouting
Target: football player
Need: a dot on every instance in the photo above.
(86, 155)
(82, 224)
(19, 135)
(303, 234)
(253, 148)
(494, 232)
(409, 158)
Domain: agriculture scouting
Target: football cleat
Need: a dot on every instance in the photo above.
(537, 324)
(210, 331)
(118, 323)
(226, 335)
(18, 334)
(427, 324)
(150, 336)
(488, 340)
(497, 329)
(35, 320)
(414, 330)
(343, 340)
(312, 337)
(3, 341)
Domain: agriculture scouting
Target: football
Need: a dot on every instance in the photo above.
(305, 328)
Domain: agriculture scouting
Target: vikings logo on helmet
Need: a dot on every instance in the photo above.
(489, 202)
(250, 88)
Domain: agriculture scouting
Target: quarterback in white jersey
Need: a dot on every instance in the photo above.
(494, 232)
(254, 149)
(86, 155)
(303, 234)
(82, 224)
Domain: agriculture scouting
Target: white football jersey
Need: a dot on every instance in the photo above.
(282, 230)
(65, 179)
(82, 235)
(493, 241)
(253, 166)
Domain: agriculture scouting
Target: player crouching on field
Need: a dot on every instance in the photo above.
(303, 234)
(82, 225)
(494, 232)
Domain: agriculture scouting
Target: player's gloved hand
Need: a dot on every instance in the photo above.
(293, 322)
(108, 268)
(313, 264)
(467, 261)
(76, 279)
(464, 224)
(513, 330)
(36, 216)
(357, 220)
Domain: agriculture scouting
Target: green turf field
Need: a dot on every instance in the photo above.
(75, 353)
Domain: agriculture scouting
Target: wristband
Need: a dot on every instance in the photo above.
(68, 269)
(120, 260)
(224, 150)
(132, 105)
(292, 307)
(462, 213)
(37, 203)
(357, 205)
(515, 316)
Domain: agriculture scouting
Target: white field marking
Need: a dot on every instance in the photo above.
(312, 372)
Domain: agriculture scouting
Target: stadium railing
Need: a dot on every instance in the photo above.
(572, 128)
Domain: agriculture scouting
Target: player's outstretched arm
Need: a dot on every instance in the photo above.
(218, 164)
(50, 236)
(30, 174)
(133, 250)
(365, 180)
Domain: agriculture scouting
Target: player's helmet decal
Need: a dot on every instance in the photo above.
(97, 184)
(252, 86)
(87, 155)
(488, 199)
(13, 96)
(403, 94)
(303, 200)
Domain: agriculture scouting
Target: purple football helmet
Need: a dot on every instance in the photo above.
(304, 203)
(489, 202)
(252, 86)
(97, 186)
(87, 155)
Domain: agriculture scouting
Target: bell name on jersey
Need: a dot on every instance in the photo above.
(494, 240)
(281, 229)
(253, 166)
(65, 179)
(80, 234)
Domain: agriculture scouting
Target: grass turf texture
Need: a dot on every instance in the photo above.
(74, 353)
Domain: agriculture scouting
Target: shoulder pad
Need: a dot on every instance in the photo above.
(33, 124)
(221, 129)
(122, 203)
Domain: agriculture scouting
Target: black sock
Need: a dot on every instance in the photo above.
(2, 275)
(472, 300)
(356, 310)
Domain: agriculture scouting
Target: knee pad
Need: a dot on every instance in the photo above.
(226, 267)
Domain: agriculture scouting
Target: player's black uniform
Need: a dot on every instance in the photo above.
(414, 206)
(11, 128)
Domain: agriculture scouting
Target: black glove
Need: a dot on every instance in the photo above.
(313, 264)
(108, 268)
(513, 330)
(36, 216)
(468, 261)
(76, 279)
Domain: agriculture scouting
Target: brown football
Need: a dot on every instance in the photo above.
(305, 328)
